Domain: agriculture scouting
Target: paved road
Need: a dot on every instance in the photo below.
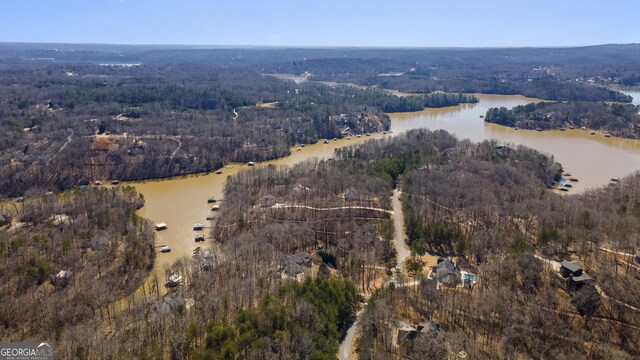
(402, 249)
(286, 206)
(403, 253)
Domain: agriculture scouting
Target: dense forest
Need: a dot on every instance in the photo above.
(66, 258)
(302, 322)
(614, 119)
(64, 125)
(490, 208)
(295, 252)
(548, 89)
(72, 114)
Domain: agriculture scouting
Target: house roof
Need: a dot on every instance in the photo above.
(350, 194)
(447, 273)
(292, 269)
(446, 264)
(267, 201)
(300, 257)
(293, 264)
(410, 332)
(572, 266)
(99, 243)
(166, 305)
(582, 278)
(64, 274)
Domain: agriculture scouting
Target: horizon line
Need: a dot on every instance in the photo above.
(219, 46)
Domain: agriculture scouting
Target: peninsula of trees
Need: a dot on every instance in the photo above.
(621, 120)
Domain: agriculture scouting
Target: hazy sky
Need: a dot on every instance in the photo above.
(322, 22)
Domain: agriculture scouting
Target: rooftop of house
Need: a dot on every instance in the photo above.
(410, 332)
(166, 305)
(572, 266)
(447, 273)
(63, 274)
(446, 264)
(582, 278)
(299, 258)
(294, 264)
(267, 201)
(351, 194)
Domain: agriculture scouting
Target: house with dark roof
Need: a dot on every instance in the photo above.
(99, 242)
(570, 268)
(267, 201)
(451, 274)
(294, 266)
(446, 273)
(574, 275)
(408, 333)
(166, 305)
(351, 194)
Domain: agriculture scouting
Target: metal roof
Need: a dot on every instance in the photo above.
(572, 266)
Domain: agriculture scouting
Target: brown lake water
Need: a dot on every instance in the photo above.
(593, 159)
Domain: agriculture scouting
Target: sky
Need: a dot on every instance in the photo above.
(398, 23)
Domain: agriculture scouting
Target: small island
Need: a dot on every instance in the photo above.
(621, 120)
